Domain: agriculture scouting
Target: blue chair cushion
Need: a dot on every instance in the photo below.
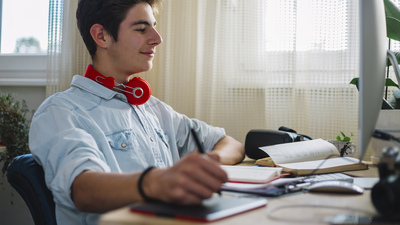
(26, 176)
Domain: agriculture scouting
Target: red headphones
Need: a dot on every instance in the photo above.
(137, 90)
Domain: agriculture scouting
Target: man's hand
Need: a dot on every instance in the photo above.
(194, 178)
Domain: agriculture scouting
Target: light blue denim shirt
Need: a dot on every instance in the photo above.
(90, 127)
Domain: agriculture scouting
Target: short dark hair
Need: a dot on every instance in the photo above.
(108, 13)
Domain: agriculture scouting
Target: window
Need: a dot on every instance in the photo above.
(304, 25)
(302, 38)
(23, 41)
(24, 26)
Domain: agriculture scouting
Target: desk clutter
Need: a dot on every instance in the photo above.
(292, 168)
(308, 157)
(286, 190)
(300, 155)
(284, 186)
(301, 159)
(257, 138)
(297, 154)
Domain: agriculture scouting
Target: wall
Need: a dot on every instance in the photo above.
(33, 96)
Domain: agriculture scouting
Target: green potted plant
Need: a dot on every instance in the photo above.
(344, 138)
(392, 13)
(14, 128)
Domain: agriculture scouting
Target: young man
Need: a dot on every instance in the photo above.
(100, 152)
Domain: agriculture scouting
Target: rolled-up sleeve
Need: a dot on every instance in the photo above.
(177, 128)
(60, 142)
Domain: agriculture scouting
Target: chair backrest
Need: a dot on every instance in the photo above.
(26, 176)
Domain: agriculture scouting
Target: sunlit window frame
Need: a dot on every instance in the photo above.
(22, 69)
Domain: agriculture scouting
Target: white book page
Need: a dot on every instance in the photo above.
(321, 164)
(252, 174)
(300, 151)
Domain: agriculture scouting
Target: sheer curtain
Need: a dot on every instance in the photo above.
(246, 64)
(67, 54)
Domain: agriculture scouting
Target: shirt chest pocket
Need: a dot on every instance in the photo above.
(162, 137)
(123, 141)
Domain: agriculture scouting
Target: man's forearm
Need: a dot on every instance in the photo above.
(189, 181)
(229, 150)
(99, 192)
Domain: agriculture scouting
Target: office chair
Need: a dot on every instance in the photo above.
(26, 176)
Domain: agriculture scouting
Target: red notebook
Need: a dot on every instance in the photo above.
(212, 209)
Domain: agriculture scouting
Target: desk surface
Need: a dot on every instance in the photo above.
(304, 206)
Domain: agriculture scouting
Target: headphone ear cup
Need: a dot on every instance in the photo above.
(137, 91)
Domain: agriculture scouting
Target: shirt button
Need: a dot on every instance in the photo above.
(123, 145)
(118, 96)
(151, 139)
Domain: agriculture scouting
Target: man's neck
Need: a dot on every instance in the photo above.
(107, 70)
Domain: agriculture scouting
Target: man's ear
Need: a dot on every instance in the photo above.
(99, 35)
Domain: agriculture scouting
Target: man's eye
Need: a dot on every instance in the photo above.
(141, 30)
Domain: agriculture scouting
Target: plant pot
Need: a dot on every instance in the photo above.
(346, 149)
(389, 122)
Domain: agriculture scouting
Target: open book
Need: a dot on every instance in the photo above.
(308, 157)
(251, 174)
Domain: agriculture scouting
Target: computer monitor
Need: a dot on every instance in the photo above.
(373, 48)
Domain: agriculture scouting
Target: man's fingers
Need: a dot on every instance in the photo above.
(193, 178)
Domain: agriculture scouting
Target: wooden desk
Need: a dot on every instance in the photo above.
(259, 216)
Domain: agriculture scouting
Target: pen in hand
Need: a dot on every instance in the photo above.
(199, 146)
(196, 139)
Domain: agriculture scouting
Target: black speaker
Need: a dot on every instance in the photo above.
(256, 138)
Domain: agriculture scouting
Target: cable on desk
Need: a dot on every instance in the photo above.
(319, 166)
(314, 172)
(324, 219)
(328, 157)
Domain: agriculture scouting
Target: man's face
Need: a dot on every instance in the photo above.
(137, 40)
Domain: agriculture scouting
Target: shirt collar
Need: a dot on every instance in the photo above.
(95, 88)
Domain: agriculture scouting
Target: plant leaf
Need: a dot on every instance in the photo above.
(390, 8)
(390, 83)
(393, 28)
(392, 13)
(346, 139)
(354, 81)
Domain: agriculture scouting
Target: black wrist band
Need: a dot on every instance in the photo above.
(140, 181)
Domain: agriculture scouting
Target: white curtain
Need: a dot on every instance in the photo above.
(67, 54)
(245, 64)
